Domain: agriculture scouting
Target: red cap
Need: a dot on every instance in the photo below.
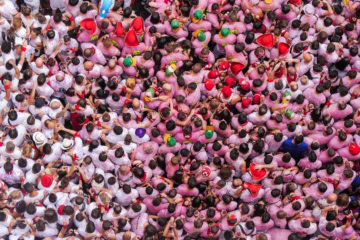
(283, 49)
(131, 39)
(230, 81)
(226, 91)
(213, 74)
(47, 180)
(266, 40)
(224, 65)
(256, 98)
(236, 68)
(138, 25)
(245, 85)
(354, 149)
(60, 209)
(119, 30)
(89, 25)
(209, 85)
(245, 103)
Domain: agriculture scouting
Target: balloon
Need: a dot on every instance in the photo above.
(105, 6)
(209, 134)
(171, 142)
(140, 132)
(150, 92)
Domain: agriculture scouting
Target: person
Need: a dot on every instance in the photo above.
(179, 119)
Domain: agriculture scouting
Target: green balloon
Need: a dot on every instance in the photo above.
(127, 62)
(225, 32)
(198, 14)
(151, 91)
(289, 113)
(175, 24)
(209, 134)
(171, 142)
(168, 71)
(201, 36)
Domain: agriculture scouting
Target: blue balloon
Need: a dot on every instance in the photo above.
(105, 7)
(140, 132)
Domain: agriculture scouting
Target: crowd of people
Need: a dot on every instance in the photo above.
(180, 119)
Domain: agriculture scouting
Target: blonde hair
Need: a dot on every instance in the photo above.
(105, 199)
(29, 152)
(16, 25)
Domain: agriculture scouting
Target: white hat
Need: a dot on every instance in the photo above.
(18, 41)
(67, 144)
(254, 2)
(309, 9)
(39, 138)
(54, 101)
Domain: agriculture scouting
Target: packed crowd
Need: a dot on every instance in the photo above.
(201, 119)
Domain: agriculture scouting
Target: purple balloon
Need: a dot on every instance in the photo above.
(140, 132)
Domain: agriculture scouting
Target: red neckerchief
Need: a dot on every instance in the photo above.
(279, 73)
(291, 79)
(74, 157)
(187, 136)
(76, 135)
(243, 124)
(143, 178)
(94, 51)
(9, 173)
(295, 198)
(302, 233)
(295, 2)
(103, 206)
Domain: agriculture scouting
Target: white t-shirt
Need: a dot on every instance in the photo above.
(21, 130)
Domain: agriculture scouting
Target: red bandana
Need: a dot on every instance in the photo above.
(143, 178)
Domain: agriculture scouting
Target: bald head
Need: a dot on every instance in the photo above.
(332, 198)
(88, 65)
(167, 87)
(148, 148)
(112, 63)
(307, 57)
(124, 169)
(59, 77)
(304, 80)
(135, 103)
(39, 62)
